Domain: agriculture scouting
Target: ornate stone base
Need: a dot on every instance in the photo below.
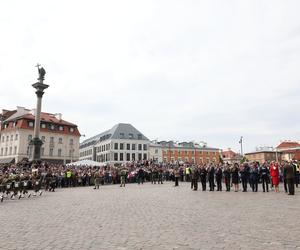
(36, 144)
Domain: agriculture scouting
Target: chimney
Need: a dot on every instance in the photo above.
(58, 116)
(33, 112)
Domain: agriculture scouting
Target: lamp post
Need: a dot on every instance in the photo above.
(241, 142)
(36, 142)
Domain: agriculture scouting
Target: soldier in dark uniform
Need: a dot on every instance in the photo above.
(290, 177)
(141, 176)
(244, 172)
(235, 177)
(203, 175)
(160, 176)
(227, 177)
(154, 175)
(211, 178)
(264, 176)
(195, 177)
(219, 175)
(254, 177)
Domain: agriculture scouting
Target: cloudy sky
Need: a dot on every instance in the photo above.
(184, 70)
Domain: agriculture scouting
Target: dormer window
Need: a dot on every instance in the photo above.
(15, 123)
(139, 136)
(30, 124)
(61, 128)
(71, 130)
(130, 136)
(43, 125)
(122, 135)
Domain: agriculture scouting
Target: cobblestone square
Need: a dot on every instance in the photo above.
(151, 217)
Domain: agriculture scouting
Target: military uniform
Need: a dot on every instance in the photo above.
(203, 175)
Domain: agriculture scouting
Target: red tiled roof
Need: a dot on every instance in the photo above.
(46, 117)
(288, 144)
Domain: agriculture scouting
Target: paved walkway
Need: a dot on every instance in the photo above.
(151, 217)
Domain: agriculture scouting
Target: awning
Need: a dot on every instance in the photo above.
(7, 160)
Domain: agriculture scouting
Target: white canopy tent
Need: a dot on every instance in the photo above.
(86, 163)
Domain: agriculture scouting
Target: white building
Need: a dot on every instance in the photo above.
(60, 138)
(155, 151)
(122, 143)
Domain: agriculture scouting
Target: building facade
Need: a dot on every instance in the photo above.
(183, 152)
(262, 156)
(290, 150)
(122, 143)
(60, 138)
(231, 157)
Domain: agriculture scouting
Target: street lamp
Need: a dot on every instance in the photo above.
(241, 142)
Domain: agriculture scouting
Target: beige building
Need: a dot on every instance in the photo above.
(60, 138)
(263, 156)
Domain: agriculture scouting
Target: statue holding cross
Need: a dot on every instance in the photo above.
(41, 71)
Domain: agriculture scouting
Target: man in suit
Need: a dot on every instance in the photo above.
(290, 177)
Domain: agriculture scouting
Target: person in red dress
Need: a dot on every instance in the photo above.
(274, 172)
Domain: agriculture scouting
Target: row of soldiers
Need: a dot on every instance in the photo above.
(14, 185)
(246, 174)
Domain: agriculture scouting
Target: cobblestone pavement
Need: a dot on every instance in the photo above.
(151, 217)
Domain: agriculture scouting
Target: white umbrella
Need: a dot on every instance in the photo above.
(86, 163)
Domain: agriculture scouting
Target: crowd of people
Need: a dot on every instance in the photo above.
(26, 179)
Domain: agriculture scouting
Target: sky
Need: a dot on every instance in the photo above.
(176, 70)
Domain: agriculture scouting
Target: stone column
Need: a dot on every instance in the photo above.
(36, 142)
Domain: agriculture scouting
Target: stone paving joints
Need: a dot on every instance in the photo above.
(151, 217)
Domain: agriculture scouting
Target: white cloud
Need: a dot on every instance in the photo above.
(202, 70)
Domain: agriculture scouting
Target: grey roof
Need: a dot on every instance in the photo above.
(119, 131)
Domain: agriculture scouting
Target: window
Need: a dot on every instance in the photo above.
(127, 157)
(16, 137)
(7, 138)
(116, 146)
(51, 140)
(145, 157)
(12, 137)
(140, 137)
(15, 150)
(133, 157)
(71, 130)
(6, 149)
(133, 146)
(51, 152)
(30, 124)
(3, 138)
(15, 123)
(121, 147)
(121, 156)
(60, 140)
(145, 147)
(29, 137)
(71, 141)
(61, 128)
(1, 151)
(140, 146)
(59, 152)
(122, 136)
(10, 150)
(42, 151)
(115, 156)
(140, 157)
(128, 146)
(130, 136)
(156, 151)
(43, 125)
